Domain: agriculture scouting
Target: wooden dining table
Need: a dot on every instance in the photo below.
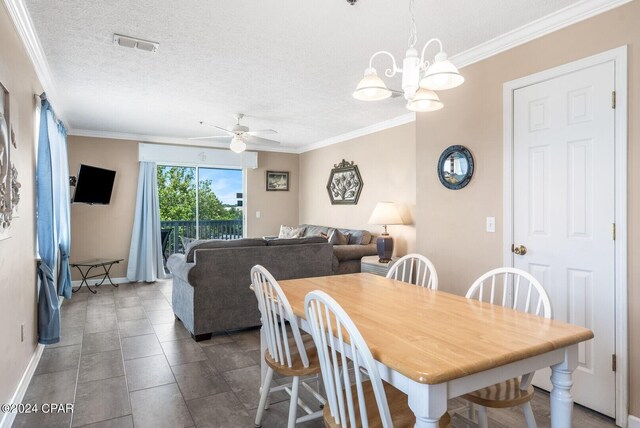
(434, 345)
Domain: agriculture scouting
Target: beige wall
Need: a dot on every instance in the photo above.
(450, 224)
(386, 161)
(104, 230)
(17, 254)
(276, 208)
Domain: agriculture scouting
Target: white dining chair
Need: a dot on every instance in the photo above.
(518, 290)
(356, 395)
(406, 266)
(288, 353)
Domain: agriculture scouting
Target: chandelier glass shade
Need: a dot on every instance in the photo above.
(419, 77)
(371, 87)
(441, 75)
(425, 100)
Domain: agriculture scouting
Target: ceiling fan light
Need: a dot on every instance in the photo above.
(425, 100)
(441, 75)
(371, 87)
(237, 145)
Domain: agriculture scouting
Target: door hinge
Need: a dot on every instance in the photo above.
(613, 99)
(613, 362)
(613, 231)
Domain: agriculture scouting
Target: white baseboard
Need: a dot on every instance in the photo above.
(8, 418)
(634, 422)
(97, 281)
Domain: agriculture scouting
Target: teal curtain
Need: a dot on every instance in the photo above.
(53, 231)
(145, 253)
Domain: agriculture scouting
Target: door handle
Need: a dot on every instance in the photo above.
(520, 250)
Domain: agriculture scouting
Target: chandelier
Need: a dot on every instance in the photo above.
(420, 78)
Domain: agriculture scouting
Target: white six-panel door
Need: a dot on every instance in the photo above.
(563, 202)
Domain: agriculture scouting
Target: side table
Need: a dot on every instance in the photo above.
(105, 264)
(371, 264)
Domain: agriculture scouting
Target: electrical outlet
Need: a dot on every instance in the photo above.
(21, 332)
(491, 224)
(257, 214)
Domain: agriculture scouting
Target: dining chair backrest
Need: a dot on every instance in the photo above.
(416, 269)
(340, 345)
(513, 288)
(276, 311)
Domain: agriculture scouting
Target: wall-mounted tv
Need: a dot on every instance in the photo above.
(94, 185)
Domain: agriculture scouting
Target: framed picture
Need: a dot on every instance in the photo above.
(345, 184)
(277, 181)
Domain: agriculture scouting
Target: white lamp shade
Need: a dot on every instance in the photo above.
(442, 74)
(371, 87)
(425, 100)
(385, 213)
(237, 145)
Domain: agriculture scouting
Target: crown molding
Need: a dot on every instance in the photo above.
(555, 21)
(376, 127)
(24, 25)
(143, 138)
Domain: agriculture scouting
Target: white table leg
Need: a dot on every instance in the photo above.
(561, 400)
(428, 403)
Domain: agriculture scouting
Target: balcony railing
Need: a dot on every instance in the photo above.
(180, 232)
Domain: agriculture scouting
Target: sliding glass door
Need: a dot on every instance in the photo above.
(219, 216)
(199, 203)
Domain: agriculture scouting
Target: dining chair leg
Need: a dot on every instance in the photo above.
(264, 394)
(470, 412)
(483, 421)
(293, 405)
(528, 415)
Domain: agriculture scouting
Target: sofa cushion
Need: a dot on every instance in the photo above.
(313, 230)
(297, 241)
(353, 252)
(338, 238)
(202, 244)
(291, 232)
(359, 237)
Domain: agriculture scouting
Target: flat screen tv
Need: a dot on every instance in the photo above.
(94, 185)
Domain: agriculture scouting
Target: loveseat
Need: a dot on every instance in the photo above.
(211, 281)
(346, 257)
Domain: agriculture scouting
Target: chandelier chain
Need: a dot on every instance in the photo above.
(413, 32)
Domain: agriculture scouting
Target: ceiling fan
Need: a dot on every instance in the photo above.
(240, 135)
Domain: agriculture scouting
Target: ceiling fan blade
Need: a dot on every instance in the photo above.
(396, 93)
(257, 140)
(226, 137)
(262, 132)
(217, 127)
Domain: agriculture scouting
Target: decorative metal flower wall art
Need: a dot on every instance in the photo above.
(9, 185)
(345, 184)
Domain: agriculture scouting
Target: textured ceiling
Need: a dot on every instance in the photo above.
(289, 65)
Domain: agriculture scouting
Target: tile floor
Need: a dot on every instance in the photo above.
(124, 361)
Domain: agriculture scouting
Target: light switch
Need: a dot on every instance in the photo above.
(491, 224)
(257, 214)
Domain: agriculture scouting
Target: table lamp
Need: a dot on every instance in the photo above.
(385, 213)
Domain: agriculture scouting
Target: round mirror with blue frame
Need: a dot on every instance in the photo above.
(455, 167)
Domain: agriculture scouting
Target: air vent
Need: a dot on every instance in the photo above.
(135, 43)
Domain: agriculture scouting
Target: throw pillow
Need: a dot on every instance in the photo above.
(290, 232)
(360, 237)
(338, 238)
